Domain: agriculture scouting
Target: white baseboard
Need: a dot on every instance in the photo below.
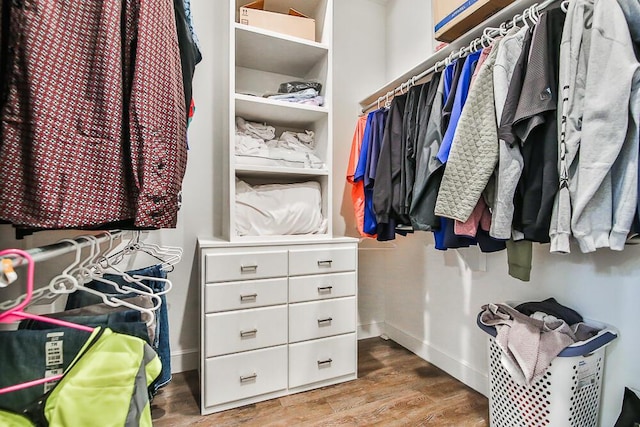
(184, 360)
(187, 360)
(478, 381)
(370, 330)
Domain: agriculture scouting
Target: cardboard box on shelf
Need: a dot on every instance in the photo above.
(453, 18)
(294, 23)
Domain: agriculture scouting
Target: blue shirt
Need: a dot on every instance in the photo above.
(367, 162)
(462, 91)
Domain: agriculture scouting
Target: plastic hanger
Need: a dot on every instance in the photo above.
(16, 313)
(534, 14)
(67, 282)
(137, 278)
(104, 264)
(387, 103)
(96, 270)
(169, 256)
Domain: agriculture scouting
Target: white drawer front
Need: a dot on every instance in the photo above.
(322, 359)
(237, 376)
(249, 294)
(245, 330)
(322, 286)
(309, 320)
(245, 264)
(322, 260)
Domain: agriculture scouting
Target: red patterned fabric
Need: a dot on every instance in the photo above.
(92, 117)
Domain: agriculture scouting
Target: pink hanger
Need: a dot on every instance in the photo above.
(14, 314)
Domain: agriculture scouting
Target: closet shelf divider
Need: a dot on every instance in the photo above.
(276, 112)
(286, 172)
(275, 52)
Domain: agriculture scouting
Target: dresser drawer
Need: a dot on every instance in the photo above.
(248, 294)
(245, 264)
(243, 330)
(322, 359)
(322, 286)
(309, 320)
(237, 376)
(322, 259)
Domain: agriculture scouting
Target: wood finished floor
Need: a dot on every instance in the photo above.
(394, 388)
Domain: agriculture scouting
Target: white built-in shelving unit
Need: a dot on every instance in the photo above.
(259, 61)
(278, 313)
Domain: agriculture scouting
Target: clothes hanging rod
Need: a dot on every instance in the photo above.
(475, 44)
(48, 252)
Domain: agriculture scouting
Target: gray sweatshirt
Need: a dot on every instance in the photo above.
(510, 162)
(599, 81)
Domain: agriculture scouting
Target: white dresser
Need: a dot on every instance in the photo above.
(277, 318)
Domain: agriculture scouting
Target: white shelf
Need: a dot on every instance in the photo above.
(285, 172)
(274, 52)
(274, 112)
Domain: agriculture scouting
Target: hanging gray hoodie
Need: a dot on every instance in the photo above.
(598, 135)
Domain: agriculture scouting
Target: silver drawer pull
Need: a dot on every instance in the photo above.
(248, 268)
(324, 263)
(324, 321)
(324, 362)
(324, 289)
(249, 297)
(246, 334)
(244, 379)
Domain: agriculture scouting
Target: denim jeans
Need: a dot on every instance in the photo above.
(161, 341)
(125, 322)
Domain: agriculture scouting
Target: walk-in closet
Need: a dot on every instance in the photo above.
(320, 213)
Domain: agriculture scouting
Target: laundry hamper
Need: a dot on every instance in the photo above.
(567, 395)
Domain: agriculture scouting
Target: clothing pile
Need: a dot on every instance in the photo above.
(119, 366)
(532, 334)
(256, 144)
(299, 92)
(505, 147)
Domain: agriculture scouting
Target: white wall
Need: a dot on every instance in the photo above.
(432, 297)
(359, 58)
(408, 47)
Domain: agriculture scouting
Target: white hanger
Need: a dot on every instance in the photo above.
(487, 36)
(169, 256)
(534, 13)
(67, 282)
(95, 271)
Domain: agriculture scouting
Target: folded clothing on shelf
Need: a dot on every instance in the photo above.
(256, 145)
(308, 96)
(290, 87)
(279, 209)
